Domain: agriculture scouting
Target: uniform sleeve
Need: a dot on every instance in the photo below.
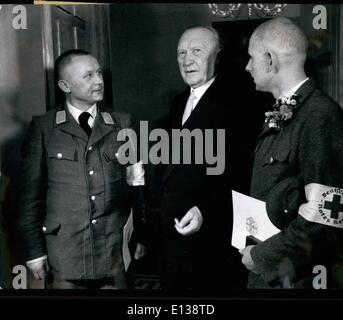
(32, 193)
(314, 236)
(135, 178)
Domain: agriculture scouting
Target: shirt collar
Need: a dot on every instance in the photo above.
(294, 89)
(75, 112)
(199, 92)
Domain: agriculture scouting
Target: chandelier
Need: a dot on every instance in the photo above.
(233, 10)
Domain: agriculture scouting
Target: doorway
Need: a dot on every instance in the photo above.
(248, 105)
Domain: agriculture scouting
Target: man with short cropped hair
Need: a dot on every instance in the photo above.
(298, 167)
(75, 195)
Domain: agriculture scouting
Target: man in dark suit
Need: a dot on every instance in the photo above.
(298, 167)
(196, 214)
(75, 194)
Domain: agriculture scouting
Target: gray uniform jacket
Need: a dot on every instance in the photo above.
(298, 171)
(74, 199)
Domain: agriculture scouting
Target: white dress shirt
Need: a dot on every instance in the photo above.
(199, 92)
(295, 88)
(75, 112)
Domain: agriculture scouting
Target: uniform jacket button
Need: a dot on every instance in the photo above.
(59, 155)
(90, 148)
(285, 211)
(93, 198)
(91, 172)
(271, 160)
(44, 229)
(94, 221)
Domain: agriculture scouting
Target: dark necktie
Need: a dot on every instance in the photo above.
(83, 119)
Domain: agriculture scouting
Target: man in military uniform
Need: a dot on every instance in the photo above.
(75, 194)
(298, 166)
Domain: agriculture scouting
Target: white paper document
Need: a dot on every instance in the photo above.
(127, 232)
(250, 218)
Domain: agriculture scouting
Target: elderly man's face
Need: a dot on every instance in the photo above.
(196, 54)
(258, 66)
(83, 77)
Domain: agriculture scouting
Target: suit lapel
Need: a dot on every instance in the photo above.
(179, 109)
(176, 123)
(304, 93)
(169, 169)
(201, 117)
(265, 132)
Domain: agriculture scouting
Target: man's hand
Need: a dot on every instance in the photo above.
(140, 251)
(247, 259)
(190, 223)
(39, 267)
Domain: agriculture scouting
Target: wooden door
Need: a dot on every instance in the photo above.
(68, 27)
(69, 31)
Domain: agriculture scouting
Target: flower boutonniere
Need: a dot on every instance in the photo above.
(283, 110)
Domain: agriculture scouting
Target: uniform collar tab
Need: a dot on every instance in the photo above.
(107, 118)
(61, 117)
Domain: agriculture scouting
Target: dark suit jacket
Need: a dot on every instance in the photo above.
(74, 216)
(306, 153)
(200, 256)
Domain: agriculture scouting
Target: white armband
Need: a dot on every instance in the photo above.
(324, 206)
(135, 174)
(34, 261)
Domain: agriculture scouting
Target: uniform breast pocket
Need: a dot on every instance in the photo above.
(277, 158)
(114, 170)
(62, 164)
(61, 153)
(51, 227)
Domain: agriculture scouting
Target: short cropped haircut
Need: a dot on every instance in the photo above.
(64, 60)
(282, 35)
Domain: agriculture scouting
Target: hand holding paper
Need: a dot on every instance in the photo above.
(250, 218)
(247, 259)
